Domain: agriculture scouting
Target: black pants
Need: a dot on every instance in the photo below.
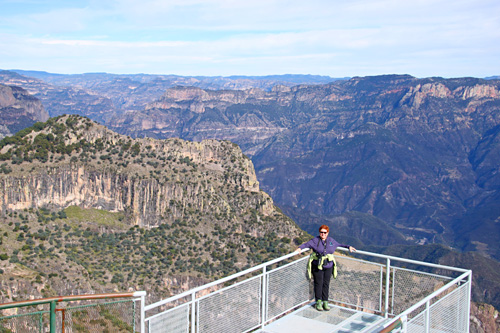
(321, 282)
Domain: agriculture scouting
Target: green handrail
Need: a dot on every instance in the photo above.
(53, 301)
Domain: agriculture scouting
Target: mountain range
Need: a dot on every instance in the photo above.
(420, 155)
(385, 161)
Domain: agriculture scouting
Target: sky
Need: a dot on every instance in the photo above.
(337, 38)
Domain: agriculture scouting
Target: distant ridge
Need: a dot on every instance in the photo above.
(293, 78)
(290, 78)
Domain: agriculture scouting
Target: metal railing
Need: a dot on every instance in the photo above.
(231, 304)
(411, 295)
(445, 310)
(93, 313)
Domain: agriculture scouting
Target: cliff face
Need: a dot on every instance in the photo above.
(142, 187)
(238, 116)
(18, 109)
(145, 199)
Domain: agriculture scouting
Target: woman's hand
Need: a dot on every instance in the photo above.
(299, 250)
(352, 249)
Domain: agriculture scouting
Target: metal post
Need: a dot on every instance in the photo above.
(381, 289)
(469, 292)
(393, 297)
(387, 278)
(63, 328)
(134, 305)
(404, 324)
(53, 316)
(264, 296)
(193, 312)
(427, 317)
(143, 313)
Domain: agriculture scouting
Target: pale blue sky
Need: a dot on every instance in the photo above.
(253, 37)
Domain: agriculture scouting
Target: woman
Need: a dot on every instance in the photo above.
(322, 264)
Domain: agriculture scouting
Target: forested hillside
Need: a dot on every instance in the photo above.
(85, 209)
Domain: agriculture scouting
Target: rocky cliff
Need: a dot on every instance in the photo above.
(18, 109)
(147, 178)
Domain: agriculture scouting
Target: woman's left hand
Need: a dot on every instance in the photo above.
(352, 249)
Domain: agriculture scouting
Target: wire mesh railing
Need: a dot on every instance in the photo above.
(117, 316)
(386, 286)
(287, 286)
(444, 315)
(447, 309)
(83, 313)
(411, 286)
(237, 303)
(409, 296)
(26, 322)
(232, 309)
(359, 283)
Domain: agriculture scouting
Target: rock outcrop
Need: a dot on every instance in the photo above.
(149, 179)
(484, 318)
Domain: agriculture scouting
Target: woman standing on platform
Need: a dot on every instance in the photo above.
(322, 264)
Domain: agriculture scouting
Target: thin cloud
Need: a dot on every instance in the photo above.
(216, 37)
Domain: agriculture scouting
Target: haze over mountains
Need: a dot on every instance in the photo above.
(384, 160)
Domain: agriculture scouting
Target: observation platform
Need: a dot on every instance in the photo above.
(372, 293)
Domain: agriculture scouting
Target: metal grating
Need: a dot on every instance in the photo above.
(448, 315)
(335, 316)
(287, 287)
(30, 322)
(175, 320)
(417, 325)
(116, 316)
(410, 286)
(233, 309)
(358, 283)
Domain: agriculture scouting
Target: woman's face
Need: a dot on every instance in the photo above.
(323, 234)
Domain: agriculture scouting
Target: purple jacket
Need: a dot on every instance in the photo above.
(322, 248)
